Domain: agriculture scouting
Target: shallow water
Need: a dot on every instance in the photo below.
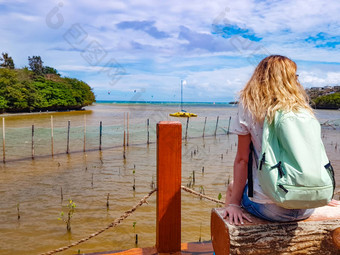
(88, 177)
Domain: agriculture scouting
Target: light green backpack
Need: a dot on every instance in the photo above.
(294, 170)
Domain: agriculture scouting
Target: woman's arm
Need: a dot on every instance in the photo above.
(334, 202)
(240, 178)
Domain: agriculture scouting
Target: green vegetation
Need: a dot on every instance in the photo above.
(7, 61)
(331, 101)
(327, 97)
(71, 209)
(39, 88)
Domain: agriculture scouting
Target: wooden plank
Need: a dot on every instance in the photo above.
(318, 234)
(168, 212)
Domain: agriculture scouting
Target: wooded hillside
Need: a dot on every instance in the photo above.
(40, 89)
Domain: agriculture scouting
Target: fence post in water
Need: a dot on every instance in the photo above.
(100, 135)
(124, 133)
(216, 124)
(84, 148)
(124, 156)
(68, 137)
(229, 125)
(205, 122)
(127, 129)
(148, 134)
(51, 135)
(32, 141)
(186, 129)
(3, 141)
(168, 212)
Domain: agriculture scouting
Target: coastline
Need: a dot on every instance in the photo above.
(8, 114)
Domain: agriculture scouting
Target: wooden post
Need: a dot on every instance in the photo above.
(68, 137)
(169, 152)
(229, 125)
(3, 141)
(205, 122)
(84, 149)
(148, 134)
(186, 129)
(32, 141)
(127, 129)
(124, 134)
(216, 125)
(124, 145)
(100, 135)
(51, 135)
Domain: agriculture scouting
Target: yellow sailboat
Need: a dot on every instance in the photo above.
(183, 113)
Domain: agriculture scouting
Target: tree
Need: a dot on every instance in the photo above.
(3, 104)
(50, 70)
(7, 61)
(331, 101)
(23, 91)
(36, 65)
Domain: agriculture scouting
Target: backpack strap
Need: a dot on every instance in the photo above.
(250, 171)
(330, 169)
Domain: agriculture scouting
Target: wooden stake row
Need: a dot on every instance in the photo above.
(125, 134)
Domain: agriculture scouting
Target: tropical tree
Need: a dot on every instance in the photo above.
(7, 61)
(36, 65)
(50, 70)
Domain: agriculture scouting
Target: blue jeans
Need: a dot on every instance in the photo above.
(272, 212)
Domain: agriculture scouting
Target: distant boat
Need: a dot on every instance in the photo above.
(183, 113)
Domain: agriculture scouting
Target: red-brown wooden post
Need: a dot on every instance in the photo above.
(169, 157)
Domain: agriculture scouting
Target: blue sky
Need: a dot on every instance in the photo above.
(140, 50)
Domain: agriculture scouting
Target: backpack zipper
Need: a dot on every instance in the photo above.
(279, 167)
(292, 187)
(283, 188)
(330, 169)
(263, 159)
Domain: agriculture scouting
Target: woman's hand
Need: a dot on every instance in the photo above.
(334, 203)
(236, 188)
(235, 214)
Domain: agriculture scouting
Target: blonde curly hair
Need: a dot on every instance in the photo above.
(274, 86)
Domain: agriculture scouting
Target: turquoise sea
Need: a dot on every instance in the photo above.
(168, 103)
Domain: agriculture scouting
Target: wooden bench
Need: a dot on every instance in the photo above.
(319, 234)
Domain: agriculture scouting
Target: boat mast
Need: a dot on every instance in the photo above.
(181, 95)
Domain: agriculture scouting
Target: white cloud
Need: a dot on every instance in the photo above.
(212, 64)
(313, 79)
